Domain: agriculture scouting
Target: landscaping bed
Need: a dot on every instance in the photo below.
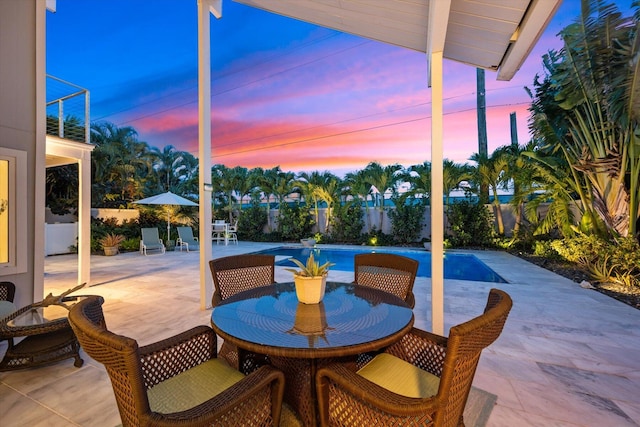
(627, 295)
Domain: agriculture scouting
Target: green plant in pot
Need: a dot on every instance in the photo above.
(310, 279)
(111, 243)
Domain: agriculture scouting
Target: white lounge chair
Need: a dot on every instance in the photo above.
(151, 241)
(186, 239)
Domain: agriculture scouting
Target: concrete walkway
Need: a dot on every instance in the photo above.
(567, 357)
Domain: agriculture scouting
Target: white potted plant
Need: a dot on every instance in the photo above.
(310, 280)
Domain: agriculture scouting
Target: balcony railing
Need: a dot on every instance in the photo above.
(67, 110)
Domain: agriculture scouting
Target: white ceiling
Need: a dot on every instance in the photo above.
(491, 34)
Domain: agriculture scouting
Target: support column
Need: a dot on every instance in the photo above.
(84, 219)
(437, 194)
(204, 143)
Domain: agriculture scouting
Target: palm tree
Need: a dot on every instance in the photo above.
(419, 178)
(329, 193)
(520, 172)
(587, 110)
(453, 175)
(383, 179)
(277, 183)
(284, 186)
(171, 168)
(243, 183)
(307, 184)
(492, 172)
(359, 188)
(120, 164)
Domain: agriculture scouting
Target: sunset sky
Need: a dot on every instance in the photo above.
(284, 92)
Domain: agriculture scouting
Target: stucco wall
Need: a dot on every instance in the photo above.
(22, 77)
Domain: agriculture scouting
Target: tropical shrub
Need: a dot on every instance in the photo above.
(251, 223)
(294, 221)
(406, 219)
(470, 224)
(347, 223)
(616, 261)
(376, 237)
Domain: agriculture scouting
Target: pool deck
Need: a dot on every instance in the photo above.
(568, 356)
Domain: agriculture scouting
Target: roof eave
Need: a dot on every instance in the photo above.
(524, 39)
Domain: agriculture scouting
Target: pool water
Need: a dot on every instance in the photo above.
(456, 266)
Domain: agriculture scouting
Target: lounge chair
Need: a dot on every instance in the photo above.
(179, 380)
(151, 241)
(187, 240)
(391, 273)
(423, 379)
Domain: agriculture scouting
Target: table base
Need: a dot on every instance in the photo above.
(300, 378)
(42, 349)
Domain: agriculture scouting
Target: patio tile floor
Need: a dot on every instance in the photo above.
(567, 357)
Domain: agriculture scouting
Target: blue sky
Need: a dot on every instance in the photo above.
(284, 93)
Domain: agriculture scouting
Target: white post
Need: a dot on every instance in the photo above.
(204, 143)
(437, 205)
(84, 219)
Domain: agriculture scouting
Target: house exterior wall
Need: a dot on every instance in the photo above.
(22, 126)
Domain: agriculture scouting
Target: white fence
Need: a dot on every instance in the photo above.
(59, 237)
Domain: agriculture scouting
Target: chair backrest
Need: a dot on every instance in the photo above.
(117, 353)
(237, 273)
(391, 273)
(150, 236)
(186, 234)
(219, 226)
(7, 291)
(464, 346)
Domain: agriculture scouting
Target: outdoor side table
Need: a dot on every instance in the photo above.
(48, 337)
(299, 338)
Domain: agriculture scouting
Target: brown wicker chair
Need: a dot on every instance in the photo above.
(7, 291)
(392, 273)
(7, 294)
(177, 381)
(347, 398)
(234, 274)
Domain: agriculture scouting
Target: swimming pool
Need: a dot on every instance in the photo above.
(456, 266)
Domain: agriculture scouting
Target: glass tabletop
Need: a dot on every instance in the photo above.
(348, 316)
(35, 316)
(39, 316)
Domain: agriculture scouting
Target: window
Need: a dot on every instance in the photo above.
(13, 211)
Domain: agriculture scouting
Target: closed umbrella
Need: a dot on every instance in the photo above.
(167, 198)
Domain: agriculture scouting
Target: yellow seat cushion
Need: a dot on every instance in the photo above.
(400, 377)
(192, 387)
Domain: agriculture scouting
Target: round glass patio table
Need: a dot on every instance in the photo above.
(298, 337)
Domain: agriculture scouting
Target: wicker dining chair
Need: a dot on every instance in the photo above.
(179, 380)
(391, 273)
(423, 379)
(234, 274)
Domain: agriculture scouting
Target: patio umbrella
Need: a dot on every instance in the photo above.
(167, 198)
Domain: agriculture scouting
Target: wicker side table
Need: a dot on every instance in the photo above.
(48, 337)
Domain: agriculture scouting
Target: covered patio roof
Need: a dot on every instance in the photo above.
(489, 34)
(496, 35)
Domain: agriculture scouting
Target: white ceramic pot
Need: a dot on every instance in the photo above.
(308, 243)
(310, 290)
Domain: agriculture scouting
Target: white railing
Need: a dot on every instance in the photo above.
(67, 110)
